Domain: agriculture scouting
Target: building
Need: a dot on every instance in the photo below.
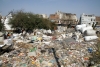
(6, 21)
(44, 16)
(87, 19)
(63, 18)
(67, 18)
(98, 20)
(54, 18)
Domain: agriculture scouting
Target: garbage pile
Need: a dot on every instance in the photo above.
(47, 49)
(88, 32)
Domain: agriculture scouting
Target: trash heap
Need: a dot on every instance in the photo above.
(48, 50)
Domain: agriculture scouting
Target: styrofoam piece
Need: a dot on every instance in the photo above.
(15, 35)
(1, 33)
(59, 39)
(63, 35)
(38, 33)
(15, 38)
(78, 33)
(49, 31)
(70, 35)
(1, 45)
(44, 36)
(79, 27)
(86, 28)
(47, 42)
(32, 54)
(88, 38)
(1, 39)
(24, 32)
(90, 32)
(44, 31)
(7, 41)
(1, 62)
(18, 41)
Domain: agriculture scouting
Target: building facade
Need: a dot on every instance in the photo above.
(68, 18)
(63, 18)
(54, 18)
(42, 16)
(87, 19)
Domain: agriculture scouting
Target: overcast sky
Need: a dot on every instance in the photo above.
(51, 6)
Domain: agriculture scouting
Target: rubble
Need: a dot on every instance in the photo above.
(57, 50)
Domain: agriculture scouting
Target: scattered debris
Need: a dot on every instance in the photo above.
(61, 49)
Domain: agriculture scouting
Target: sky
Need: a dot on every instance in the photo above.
(51, 6)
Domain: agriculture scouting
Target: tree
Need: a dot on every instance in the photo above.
(25, 20)
(22, 20)
(1, 25)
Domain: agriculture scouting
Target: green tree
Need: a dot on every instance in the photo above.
(25, 20)
(1, 25)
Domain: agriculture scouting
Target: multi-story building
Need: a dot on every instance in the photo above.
(87, 19)
(63, 18)
(42, 16)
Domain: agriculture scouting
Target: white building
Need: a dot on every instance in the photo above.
(67, 18)
(44, 16)
(6, 21)
(87, 19)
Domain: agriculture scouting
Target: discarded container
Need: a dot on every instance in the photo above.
(79, 27)
(90, 33)
(88, 38)
(86, 28)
